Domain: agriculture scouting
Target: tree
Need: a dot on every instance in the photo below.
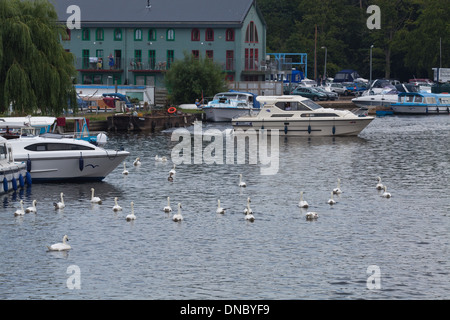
(190, 78)
(35, 71)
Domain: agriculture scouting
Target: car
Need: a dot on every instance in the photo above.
(356, 88)
(331, 95)
(310, 93)
(336, 87)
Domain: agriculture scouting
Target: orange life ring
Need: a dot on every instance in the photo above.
(172, 110)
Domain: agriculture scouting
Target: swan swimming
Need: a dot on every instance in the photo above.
(172, 171)
(31, 209)
(137, 162)
(219, 208)
(338, 189)
(242, 183)
(20, 212)
(168, 208)
(379, 184)
(385, 193)
(60, 205)
(95, 199)
(125, 171)
(163, 159)
(60, 246)
(178, 217)
(302, 203)
(248, 209)
(131, 216)
(311, 215)
(248, 214)
(331, 201)
(116, 205)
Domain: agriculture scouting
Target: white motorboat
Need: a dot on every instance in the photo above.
(51, 157)
(298, 116)
(14, 172)
(227, 105)
(384, 98)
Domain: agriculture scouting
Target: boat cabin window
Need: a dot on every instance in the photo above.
(3, 152)
(312, 105)
(409, 98)
(418, 99)
(282, 115)
(430, 100)
(56, 147)
(319, 115)
(291, 106)
(444, 100)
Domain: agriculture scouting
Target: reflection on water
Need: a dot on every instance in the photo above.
(279, 256)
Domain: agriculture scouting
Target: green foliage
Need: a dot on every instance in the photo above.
(406, 45)
(35, 71)
(188, 78)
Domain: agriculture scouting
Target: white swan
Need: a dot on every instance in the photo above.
(219, 208)
(178, 217)
(60, 204)
(379, 185)
(20, 212)
(131, 216)
(338, 189)
(137, 162)
(116, 205)
(95, 199)
(247, 208)
(311, 215)
(242, 183)
(168, 208)
(31, 209)
(385, 193)
(248, 215)
(125, 171)
(158, 158)
(172, 171)
(302, 203)
(331, 201)
(60, 246)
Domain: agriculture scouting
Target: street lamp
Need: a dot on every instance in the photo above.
(325, 67)
(370, 81)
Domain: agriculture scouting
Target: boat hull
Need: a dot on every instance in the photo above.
(73, 166)
(12, 175)
(342, 127)
(420, 109)
(226, 114)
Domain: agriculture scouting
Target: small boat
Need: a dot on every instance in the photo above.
(228, 105)
(295, 115)
(49, 158)
(14, 173)
(383, 98)
(422, 103)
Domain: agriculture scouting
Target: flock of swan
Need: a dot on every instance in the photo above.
(248, 212)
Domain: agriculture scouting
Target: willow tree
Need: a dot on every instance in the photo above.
(190, 78)
(35, 71)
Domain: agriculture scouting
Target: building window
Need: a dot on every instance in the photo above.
(170, 58)
(137, 59)
(170, 35)
(251, 34)
(229, 35)
(86, 34)
(152, 35)
(152, 59)
(66, 37)
(229, 65)
(195, 35)
(210, 54)
(138, 35)
(85, 59)
(117, 34)
(209, 34)
(195, 54)
(99, 35)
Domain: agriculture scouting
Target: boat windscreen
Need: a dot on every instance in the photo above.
(312, 105)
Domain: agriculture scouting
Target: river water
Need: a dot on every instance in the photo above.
(363, 247)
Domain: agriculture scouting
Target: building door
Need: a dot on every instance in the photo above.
(118, 59)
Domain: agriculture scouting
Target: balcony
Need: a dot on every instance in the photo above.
(147, 65)
(99, 65)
